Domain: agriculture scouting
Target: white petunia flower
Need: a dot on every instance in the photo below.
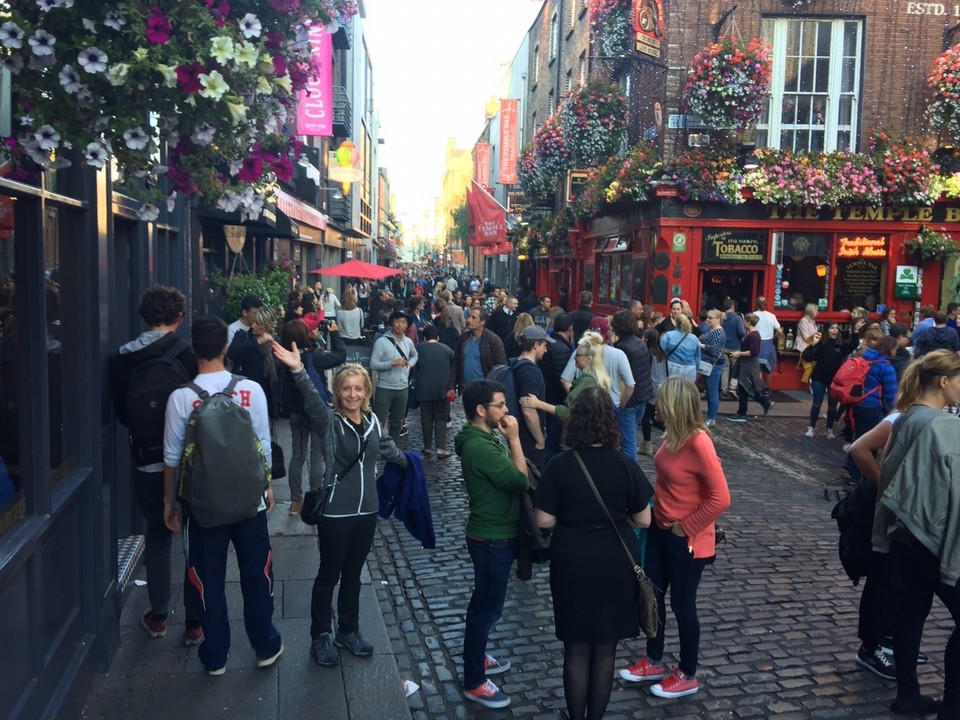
(251, 204)
(148, 212)
(96, 155)
(203, 134)
(229, 201)
(42, 42)
(332, 27)
(221, 49)
(11, 35)
(90, 25)
(238, 113)
(93, 60)
(26, 121)
(69, 80)
(246, 54)
(47, 137)
(214, 86)
(169, 73)
(250, 26)
(37, 154)
(13, 63)
(171, 201)
(234, 167)
(48, 5)
(135, 138)
(117, 74)
(114, 20)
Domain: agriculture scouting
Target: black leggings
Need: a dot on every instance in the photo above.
(648, 422)
(344, 545)
(587, 678)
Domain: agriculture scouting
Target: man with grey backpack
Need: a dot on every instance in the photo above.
(216, 457)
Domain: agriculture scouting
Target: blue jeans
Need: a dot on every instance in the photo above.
(819, 392)
(207, 569)
(713, 391)
(668, 563)
(629, 421)
(492, 560)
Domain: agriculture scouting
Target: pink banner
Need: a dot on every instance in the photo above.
(315, 108)
(508, 142)
(482, 165)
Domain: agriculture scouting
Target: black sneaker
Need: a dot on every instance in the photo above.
(877, 662)
(737, 418)
(324, 652)
(355, 643)
(769, 407)
(888, 651)
(917, 706)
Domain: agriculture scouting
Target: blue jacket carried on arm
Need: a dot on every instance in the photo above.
(403, 493)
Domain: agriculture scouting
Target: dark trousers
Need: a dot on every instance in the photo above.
(148, 494)
(879, 601)
(743, 398)
(207, 560)
(821, 391)
(647, 423)
(433, 418)
(920, 582)
(668, 563)
(553, 437)
(344, 544)
(865, 419)
(492, 560)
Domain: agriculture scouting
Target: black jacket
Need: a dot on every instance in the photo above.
(121, 367)
(433, 371)
(501, 324)
(552, 364)
(581, 318)
(900, 361)
(638, 355)
(829, 356)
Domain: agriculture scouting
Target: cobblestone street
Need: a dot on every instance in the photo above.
(778, 616)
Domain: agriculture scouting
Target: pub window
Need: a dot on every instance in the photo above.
(12, 502)
(803, 276)
(861, 271)
(814, 93)
(603, 282)
(614, 289)
(587, 278)
(626, 286)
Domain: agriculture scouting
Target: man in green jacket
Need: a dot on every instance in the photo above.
(495, 477)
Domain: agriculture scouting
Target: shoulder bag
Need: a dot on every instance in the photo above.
(315, 499)
(646, 591)
(412, 402)
(673, 350)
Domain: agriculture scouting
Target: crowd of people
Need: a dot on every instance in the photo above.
(553, 402)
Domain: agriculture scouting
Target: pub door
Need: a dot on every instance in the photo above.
(742, 285)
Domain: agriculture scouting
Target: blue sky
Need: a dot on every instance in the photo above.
(423, 96)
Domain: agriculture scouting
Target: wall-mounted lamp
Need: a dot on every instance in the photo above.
(821, 270)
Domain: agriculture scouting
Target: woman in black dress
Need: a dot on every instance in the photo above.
(591, 581)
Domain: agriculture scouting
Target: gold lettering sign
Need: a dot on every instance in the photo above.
(863, 247)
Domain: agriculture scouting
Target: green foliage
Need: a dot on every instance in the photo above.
(272, 285)
(458, 232)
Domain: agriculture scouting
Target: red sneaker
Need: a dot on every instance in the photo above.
(193, 636)
(675, 686)
(154, 628)
(642, 671)
(492, 666)
(488, 695)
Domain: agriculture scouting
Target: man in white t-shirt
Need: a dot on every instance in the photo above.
(769, 327)
(248, 308)
(207, 546)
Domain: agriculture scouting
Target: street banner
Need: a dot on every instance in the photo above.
(481, 165)
(498, 249)
(486, 218)
(315, 102)
(508, 142)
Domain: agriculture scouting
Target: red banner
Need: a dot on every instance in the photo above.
(508, 142)
(499, 249)
(481, 165)
(486, 219)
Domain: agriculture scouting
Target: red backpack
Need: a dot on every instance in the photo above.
(848, 384)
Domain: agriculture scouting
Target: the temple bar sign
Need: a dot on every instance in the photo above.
(862, 247)
(734, 246)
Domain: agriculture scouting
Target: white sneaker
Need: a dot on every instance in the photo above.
(809, 432)
(711, 423)
(846, 447)
(830, 435)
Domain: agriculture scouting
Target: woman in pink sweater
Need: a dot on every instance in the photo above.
(690, 494)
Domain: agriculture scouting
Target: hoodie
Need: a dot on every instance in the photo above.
(493, 485)
(936, 338)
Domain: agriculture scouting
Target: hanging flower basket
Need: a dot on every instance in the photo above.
(930, 245)
(729, 82)
(708, 175)
(905, 170)
(944, 85)
(610, 24)
(593, 119)
(217, 83)
(552, 150)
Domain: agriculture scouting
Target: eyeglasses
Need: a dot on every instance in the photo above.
(498, 406)
(583, 355)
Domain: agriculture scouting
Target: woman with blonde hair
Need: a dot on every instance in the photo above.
(552, 314)
(691, 494)
(806, 328)
(588, 358)
(682, 349)
(350, 319)
(251, 356)
(354, 442)
(512, 344)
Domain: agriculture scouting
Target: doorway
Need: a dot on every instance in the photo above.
(742, 285)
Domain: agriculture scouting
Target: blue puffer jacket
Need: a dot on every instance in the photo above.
(883, 375)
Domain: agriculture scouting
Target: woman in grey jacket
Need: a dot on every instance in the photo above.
(353, 442)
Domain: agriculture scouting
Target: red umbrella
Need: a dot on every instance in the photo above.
(357, 269)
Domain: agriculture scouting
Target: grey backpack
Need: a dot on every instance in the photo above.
(223, 472)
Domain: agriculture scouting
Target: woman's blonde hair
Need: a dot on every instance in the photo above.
(923, 373)
(552, 314)
(679, 405)
(684, 324)
(350, 370)
(592, 344)
(349, 301)
(811, 311)
(267, 317)
(716, 314)
(524, 320)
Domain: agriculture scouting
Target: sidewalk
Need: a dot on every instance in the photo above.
(159, 679)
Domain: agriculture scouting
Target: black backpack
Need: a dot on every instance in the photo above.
(854, 515)
(503, 374)
(151, 383)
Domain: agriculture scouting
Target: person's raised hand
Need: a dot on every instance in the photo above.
(290, 358)
(509, 427)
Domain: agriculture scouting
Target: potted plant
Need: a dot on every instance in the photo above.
(214, 82)
(610, 24)
(593, 119)
(944, 85)
(728, 83)
(930, 245)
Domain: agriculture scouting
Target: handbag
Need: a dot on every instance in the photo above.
(706, 367)
(646, 600)
(315, 499)
(278, 468)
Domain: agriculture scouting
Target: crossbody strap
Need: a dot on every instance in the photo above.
(679, 343)
(636, 568)
(390, 338)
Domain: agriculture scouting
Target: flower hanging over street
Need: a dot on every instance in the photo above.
(135, 138)
(47, 137)
(93, 60)
(11, 35)
(69, 80)
(42, 43)
(203, 134)
(214, 86)
(114, 20)
(250, 26)
(158, 27)
(96, 155)
(221, 49)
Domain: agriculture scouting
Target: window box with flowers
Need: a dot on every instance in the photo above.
(711, 175)
(621, 180)
(216, 83)
(728, 83)
(930, 245)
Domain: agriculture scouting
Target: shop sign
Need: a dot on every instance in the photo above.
(858, 280)
(862, 247)
(679, 242)
(734, 246)
(907, 283)
(576, 182)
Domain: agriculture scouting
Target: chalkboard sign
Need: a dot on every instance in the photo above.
(857, 280)
(359, 354)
